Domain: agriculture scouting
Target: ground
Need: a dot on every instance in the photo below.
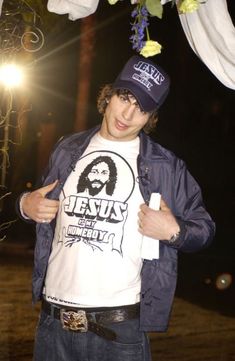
(195, 333)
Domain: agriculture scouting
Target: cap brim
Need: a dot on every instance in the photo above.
(148, 105)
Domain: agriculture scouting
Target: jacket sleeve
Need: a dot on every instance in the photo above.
(197, 228)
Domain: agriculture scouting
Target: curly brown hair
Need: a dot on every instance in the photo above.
(106, 94)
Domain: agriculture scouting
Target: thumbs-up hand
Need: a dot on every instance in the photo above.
(36, 206)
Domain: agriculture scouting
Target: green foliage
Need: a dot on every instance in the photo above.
(155, 8)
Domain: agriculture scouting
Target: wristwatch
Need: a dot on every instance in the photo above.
(174, 237)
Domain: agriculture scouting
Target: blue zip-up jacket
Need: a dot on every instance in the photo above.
(159, 170)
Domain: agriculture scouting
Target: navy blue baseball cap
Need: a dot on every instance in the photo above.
(147, 81)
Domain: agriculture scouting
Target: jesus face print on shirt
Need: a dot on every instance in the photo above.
(100, 173)
(95, 205)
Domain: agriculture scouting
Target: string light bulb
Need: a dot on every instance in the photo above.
(11, 75)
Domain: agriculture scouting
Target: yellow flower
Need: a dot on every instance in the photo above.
(151, 48)
(112, 2)
(188, 6)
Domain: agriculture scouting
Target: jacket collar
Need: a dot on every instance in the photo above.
(78, 142)
(150, 150)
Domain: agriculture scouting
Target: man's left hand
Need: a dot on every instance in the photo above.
(160, 224)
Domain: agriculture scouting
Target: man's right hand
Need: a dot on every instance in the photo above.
(37, 207)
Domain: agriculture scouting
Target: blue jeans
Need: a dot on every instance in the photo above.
(53, 343)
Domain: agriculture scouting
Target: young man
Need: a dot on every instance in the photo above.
(100, 294)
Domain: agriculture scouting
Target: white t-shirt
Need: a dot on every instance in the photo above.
(95, 259)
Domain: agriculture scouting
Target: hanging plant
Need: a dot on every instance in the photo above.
(143, 10)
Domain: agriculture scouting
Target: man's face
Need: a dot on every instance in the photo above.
(98, 177)
(123, 119)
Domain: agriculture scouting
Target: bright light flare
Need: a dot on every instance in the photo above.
(11, 75)
(223, 281)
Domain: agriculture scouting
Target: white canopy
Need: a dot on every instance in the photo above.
(76, 9)
(211, 34)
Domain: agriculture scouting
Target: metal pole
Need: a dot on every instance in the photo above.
(4, 149)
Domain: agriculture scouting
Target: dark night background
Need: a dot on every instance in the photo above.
(196, 121)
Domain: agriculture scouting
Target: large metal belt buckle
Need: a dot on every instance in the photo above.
(74, 321)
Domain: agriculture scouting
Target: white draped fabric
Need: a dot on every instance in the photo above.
(76, 9)
(211, 34)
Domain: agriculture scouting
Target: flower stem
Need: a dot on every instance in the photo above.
(147, 33)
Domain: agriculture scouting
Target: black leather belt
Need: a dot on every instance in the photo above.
(83, 320)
